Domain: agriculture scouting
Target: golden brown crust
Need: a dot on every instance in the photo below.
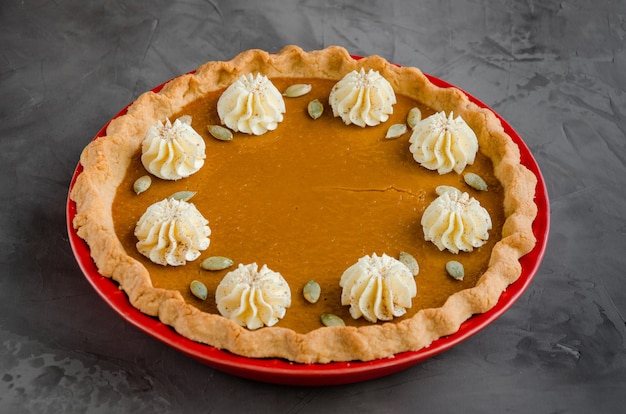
(106, 160)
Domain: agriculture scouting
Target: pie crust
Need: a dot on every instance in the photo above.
(106, 160)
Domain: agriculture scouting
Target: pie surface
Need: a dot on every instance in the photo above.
(308, 199)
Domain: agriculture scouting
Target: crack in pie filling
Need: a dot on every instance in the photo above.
(290, 195)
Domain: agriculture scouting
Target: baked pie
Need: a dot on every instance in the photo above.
(329, 190)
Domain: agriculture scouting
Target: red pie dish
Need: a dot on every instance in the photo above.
(280, 371)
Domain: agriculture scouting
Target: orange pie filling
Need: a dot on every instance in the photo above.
(309, 199)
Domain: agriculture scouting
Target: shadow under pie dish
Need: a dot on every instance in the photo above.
(308, 199)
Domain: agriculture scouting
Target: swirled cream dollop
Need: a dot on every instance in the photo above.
(456, 221)
(253, 298)
(172, 232)
(252, 105)
(377, 287)
(173, 151)
(363, 99)
(443, 143)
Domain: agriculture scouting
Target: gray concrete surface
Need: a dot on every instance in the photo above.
(556, 70)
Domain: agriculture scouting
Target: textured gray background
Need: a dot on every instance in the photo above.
(556, 70)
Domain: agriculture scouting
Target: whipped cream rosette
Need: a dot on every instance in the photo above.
(172, 232)
(377, 288)
(173, 150)
(252, 105)
(456, 221)
(362, 98)
(253, 297)
(443, 143)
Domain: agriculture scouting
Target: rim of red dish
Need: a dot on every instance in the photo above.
(284, 372)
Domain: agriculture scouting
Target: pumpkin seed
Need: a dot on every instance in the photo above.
(441, 189)
(396, 131)
(219, 132)
(414, 116)
(198, 289)
(297, 90)
(311, 291)
(183, 195)
(455, 269)
(142, 184)
(328, 319)
(475, 181)
(216, 263)
(185, 119)
(315, 109)
(409, 261)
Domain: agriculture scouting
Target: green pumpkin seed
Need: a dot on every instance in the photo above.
(198, 289)
(142, 184)
(183, 195)
(315, 109)
(328, 319)
(216, 263)
(311, 291)
(409, 261)
(475, 181)
(455, 269)
(396, 131)
(414, 116)
(297, 90)
(220, 132)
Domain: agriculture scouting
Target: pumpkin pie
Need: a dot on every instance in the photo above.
(327, 176)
